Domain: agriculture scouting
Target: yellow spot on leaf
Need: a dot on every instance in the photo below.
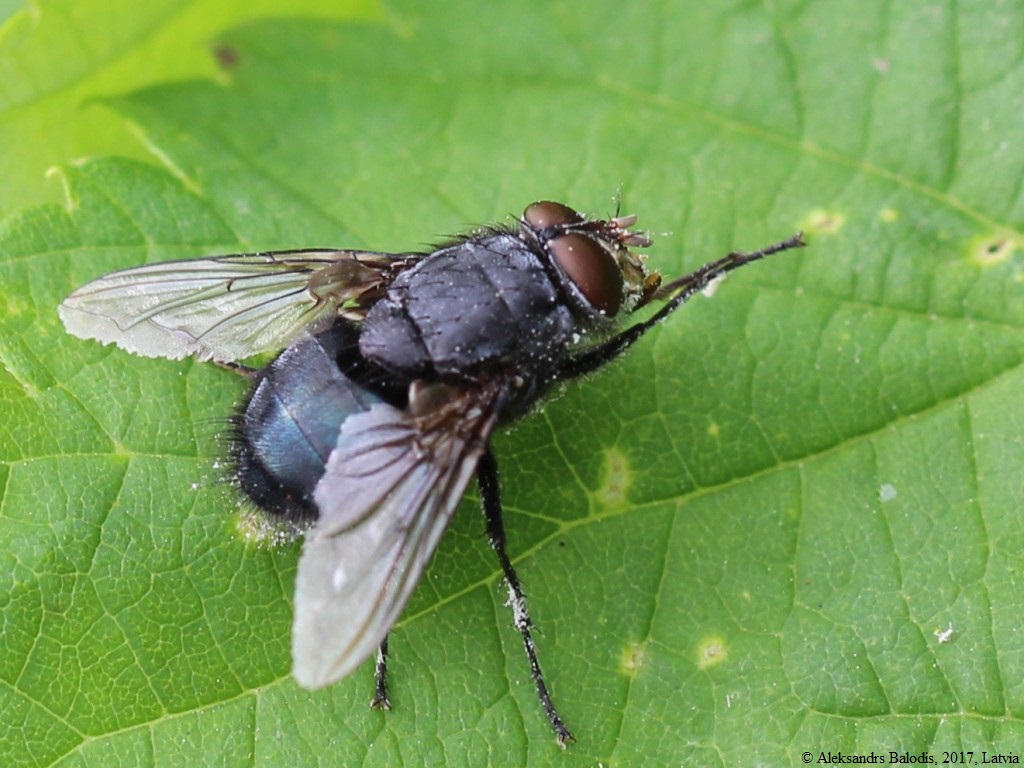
(993, 249)
(616, 478)
(632, 659)
(710, 652)
(822, 222)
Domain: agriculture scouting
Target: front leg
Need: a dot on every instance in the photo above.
(680, 290)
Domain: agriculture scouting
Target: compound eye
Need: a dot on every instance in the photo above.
(591, 268)
(547, 214)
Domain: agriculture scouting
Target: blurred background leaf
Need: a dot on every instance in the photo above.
(787, 522)
(58, 58)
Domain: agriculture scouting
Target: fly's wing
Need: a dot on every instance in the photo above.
(390, 489)
(228, 308)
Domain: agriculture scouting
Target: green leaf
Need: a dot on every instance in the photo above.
(58, 56)
(787, 522)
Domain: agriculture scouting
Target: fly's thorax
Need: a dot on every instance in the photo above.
(509, 299)
(482, 305)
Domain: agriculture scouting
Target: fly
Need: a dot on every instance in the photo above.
(396, 370)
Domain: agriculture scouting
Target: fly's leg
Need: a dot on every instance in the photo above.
(677, 293)
(490, 494)
(380, 675)
(228, 365)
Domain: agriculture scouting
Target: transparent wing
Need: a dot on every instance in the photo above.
(229, 307)
(390, 489)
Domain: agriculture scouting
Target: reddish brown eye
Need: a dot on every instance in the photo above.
(546, 214)
(591, 268)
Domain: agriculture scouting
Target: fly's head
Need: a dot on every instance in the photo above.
(593, 259)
